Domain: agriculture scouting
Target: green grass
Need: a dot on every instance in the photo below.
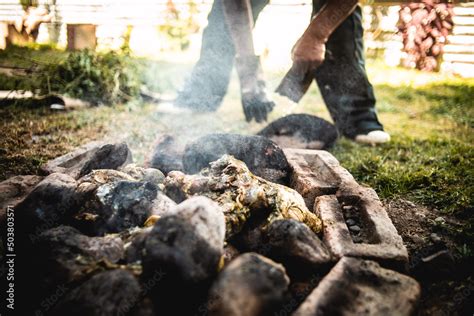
(436, 172)
(31, 136)
(451, 99)
(430, 158)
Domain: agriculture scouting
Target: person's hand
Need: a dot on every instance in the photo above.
(256, 103)
(255, 99)
(308, 54)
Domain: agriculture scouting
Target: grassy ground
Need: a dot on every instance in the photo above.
(429, 161)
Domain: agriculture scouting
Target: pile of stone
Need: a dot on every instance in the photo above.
(99, 235)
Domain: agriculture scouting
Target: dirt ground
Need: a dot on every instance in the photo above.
(447, 285)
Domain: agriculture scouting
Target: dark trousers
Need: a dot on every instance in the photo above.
(342, 78)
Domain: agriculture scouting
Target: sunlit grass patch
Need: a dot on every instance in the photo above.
(430, 157)
(437, 172)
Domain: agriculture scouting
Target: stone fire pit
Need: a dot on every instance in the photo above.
(105, 237)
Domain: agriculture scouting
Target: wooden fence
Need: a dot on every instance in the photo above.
(458, 55)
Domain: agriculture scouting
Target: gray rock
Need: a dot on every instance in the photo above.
(128, 204)
(116, 206)
(354, 229)
(230, 253)
(102, 201)
(253, 238)
(51, 203)
(409, 203)
(16, 188)
(417, 239)
(168, 154)
(440, 220)
(186, 248)
(13, 191)
(108, 293)
(188, 243)
(301, 131)
(360, 287)
(144, 308)
(350, 222)
(63, 254)
(435, 238)
(162, 205)
(135, 244)
(151, 175)
(72, 162)
(263, 157)
(94, 155)
(99, 177)
(112, 201)
(296, 246)
(109, 156)
(299, 291)
(250, 285)
(347, 208)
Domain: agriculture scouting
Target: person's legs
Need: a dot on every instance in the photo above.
(343, 81)
(210, 77)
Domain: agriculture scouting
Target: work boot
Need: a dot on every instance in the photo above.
(256, 102)
(363, 127)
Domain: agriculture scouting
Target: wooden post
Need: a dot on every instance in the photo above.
(81, 36)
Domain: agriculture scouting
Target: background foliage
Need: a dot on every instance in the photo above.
(98, 77)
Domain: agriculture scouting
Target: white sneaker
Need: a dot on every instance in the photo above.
(373, 137)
